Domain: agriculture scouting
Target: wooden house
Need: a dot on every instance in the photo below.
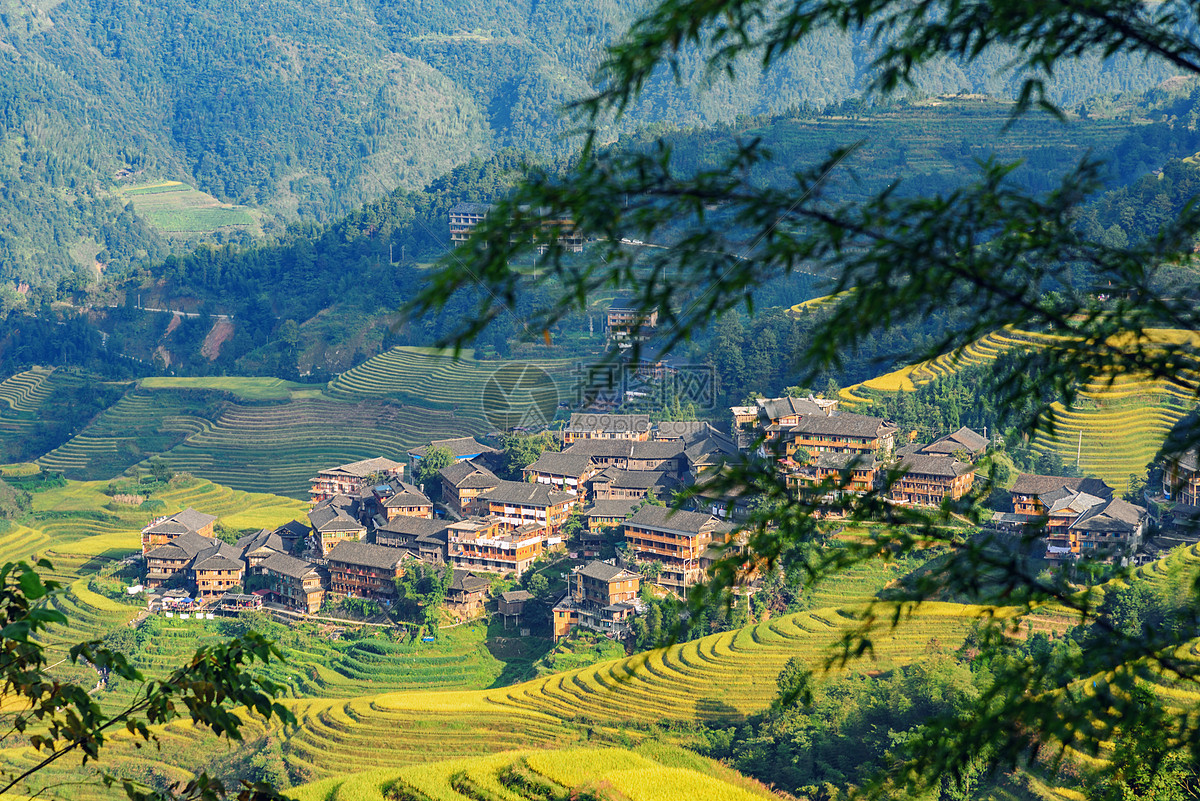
(468, 593)
(463, 483)
(485, 543)
(841, 433)
(929, 479)
(589, 425)
(363, 570)
(853, 473)
(353, 478)
(423, 538)
(333, 523)
(963, 441)
(612, 484)
(517, 503)
(258, 546)
(676, 539)
(567, 472)
(401, 499)
(1027, 491)
(165, 529)
(605, 595)
(1109, 530)
(626, 320)
(294, 583)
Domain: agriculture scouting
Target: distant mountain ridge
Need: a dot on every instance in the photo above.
(307, 111)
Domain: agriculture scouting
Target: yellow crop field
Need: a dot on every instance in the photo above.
(1117, 424)
(636, 777)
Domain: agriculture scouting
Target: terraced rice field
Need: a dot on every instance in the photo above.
(717, 678)
(437, 381)
(636, 776)
(1115, 427)
(269, 435)
(277, 448)
(250, 388)
(72, 528)
(141, 423)
(21, 399)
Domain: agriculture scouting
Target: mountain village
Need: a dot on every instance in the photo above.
(610, 490)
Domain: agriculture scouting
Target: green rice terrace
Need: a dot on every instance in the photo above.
(1115, 426)
(269, 435)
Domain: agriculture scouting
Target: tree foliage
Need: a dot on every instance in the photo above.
(62, 720)
(998, 254)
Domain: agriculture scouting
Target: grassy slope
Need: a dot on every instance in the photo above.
(1116, 426)
(181, 210)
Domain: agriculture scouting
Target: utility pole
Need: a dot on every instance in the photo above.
(391, 261)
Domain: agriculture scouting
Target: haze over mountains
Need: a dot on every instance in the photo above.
(308, 110)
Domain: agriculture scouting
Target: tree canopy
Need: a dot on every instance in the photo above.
(996, 253)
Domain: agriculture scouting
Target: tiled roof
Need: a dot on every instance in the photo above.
(964, 439)
(574, 465)
(657, 449)
(1033, 484)
(846, 424)
(1075, 501)
(603, 571)
(523, 493)
(513, 596)
(775, 408)
(286, 565)
(929, 465)
(365, 467)
(608, 508)
(468, 475)
(353, 552)
(607, 448)
(636, 479)
(842, 461)
(405, 494)
(412, 526)
(1117, 516)
(181, 522)
(293, 529)
(679, 429)
(184, 546)
(329, 518)
(470, 208)
(466, 581)
(691, 523)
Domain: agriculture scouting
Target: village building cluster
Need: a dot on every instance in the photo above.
(822, 449)
(619, 473)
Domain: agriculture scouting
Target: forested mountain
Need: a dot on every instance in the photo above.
(321, 299)
(309, 110)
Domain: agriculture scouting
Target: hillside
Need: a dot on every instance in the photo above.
(269, 435)
(306, 115)
(1115, 427)
(300, 308)
(371, 704)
